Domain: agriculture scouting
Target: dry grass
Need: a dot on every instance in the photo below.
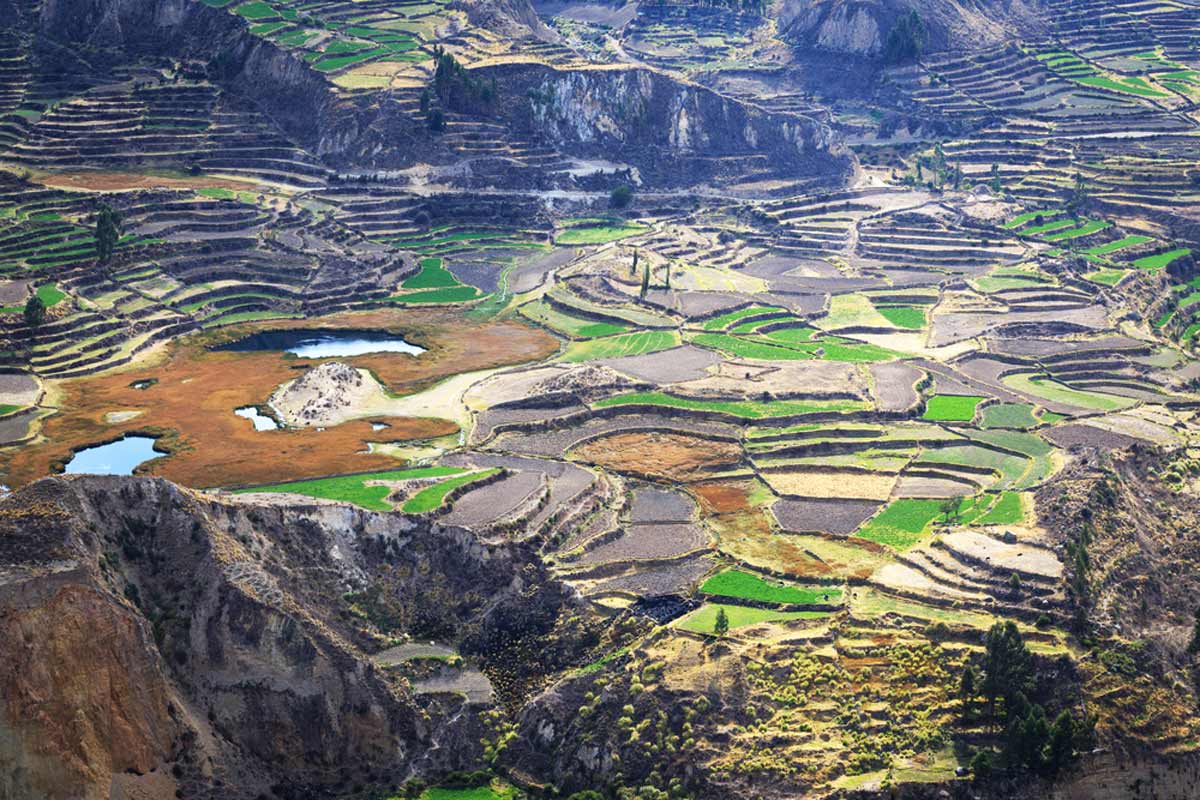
(126, 181)
(192, 404)
(843, 485)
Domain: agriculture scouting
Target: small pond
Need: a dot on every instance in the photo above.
(261, 421)
(115, 458)
(324, 343)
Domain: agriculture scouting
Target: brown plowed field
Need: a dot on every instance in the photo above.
(660, 455)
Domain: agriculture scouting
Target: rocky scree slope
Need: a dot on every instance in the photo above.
(1127, 529)
(159, 639)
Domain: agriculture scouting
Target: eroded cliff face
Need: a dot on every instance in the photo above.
(669, 129)
(860, 27)
(159, 639)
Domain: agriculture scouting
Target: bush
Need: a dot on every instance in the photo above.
(620, 197)
(981, 765)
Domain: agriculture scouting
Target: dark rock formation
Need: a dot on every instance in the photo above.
(157, 639)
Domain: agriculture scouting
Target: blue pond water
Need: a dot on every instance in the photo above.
(115, 458)
(325, 343)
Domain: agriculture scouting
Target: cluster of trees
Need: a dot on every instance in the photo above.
(936, 172)
(748, 6)
(456, 89)
(1078, 199)
(906, 40)
(1032, 743)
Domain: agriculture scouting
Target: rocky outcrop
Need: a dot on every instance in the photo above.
(861, 27)
(669, 129)
(512, 18)
(324, 394)
(159, 639)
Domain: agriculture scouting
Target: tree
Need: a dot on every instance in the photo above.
(1079, 197)
(620, 197)
(1061, 748)
(457, 89)
(667, 281)
(948, 509)
(1014, 583)
(645, 281)
(966, 687)
(35, 312)
(721, 626)
(1028, 738)
(1008, 667)
(981, 765)
(108, 232)
(633, 269)
(1194, 647)
(995, 179)
(906, 40)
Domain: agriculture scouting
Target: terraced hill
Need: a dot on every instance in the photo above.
(719, 400)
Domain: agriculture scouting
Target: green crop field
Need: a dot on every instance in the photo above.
(1030, 216)
(449, 294)
(745, 409)
(1118, 244)
(902, 524)
(256, 10)
(598, 234)
(951, 408)
(540, 311)
(748, 586)
(432, 276)
(1162, 259)
(725, 320)
(353, 488)
(1107, 277)
(1047, 389)
(794, 344)
(1047, 227)
(628, 344)
(49, 294)
(745, 348)
(904, 316)
(1003, 509)
(8, 408)
(432, 497)
(797, 338)
(704, 619)
(1008, 415)
(494, 791)
(1134, 86)
(1086, 229)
